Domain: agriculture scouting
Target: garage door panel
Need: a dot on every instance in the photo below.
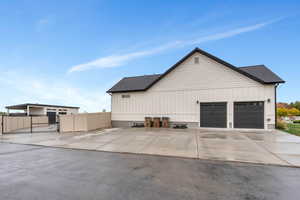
(249, 115)
(213, 115)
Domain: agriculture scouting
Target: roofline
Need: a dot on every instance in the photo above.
(141, 76)
(218, 60)
(210, 56)
(108, 91)
(41, 105)
(123, 91)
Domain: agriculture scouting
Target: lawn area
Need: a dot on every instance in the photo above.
(293, 129)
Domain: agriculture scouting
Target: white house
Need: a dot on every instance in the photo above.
(200, 90)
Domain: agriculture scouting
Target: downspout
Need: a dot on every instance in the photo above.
(276, 105)
(110, 108)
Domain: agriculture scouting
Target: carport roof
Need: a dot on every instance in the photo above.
(25, 105)
(259, 73)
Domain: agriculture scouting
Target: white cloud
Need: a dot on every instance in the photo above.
(118, 60)
(45, 22)
(227, 34)
(28, 89)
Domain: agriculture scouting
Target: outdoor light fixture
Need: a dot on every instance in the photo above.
(197, 102)
(268, 100)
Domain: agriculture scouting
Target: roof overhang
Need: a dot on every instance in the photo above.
(24, 106)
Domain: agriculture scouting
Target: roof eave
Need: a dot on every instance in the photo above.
(276, 82)
(123, 91)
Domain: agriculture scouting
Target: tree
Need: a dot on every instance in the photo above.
(296, 104)
(282, 112)
(293, 112)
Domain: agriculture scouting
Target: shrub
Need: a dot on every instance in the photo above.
(281, 125)
(293, 112)
(282, 112)
(296, 121)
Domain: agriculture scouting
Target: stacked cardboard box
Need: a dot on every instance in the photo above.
(165, 122)
(148, 122)
(156, 122)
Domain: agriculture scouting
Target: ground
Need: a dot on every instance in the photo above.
(33, 172)
(276, 148)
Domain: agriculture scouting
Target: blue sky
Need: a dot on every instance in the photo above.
(71, 51)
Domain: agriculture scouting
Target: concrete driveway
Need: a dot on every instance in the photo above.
(34, 172)
(275, 147)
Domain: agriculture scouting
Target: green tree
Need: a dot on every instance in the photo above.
(296, 104)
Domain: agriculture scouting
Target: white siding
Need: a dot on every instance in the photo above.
(40, 110)
(176, 94)
(36, 110)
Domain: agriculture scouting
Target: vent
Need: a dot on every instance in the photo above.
(125, 96)
(196, 60)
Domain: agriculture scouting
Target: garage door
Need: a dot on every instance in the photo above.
(213, 115)
(249, 115)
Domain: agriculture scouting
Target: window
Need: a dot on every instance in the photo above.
(125, 96)
(196, 60)
(62, 113)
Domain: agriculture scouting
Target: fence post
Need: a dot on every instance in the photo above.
(2, 125)
(30, 123)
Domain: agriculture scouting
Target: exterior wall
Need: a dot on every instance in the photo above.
(85, 121)
(43, 110)
(36, 111)
(175, 95)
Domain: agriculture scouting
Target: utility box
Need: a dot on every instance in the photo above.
(165, 122)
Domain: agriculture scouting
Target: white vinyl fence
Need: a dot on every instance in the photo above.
(11, 123)
(84, 121)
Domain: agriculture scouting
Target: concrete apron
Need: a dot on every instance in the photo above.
(276, 148)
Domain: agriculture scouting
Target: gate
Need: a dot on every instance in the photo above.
(26, 124)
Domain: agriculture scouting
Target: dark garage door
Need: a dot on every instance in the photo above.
(213, 115)
(249, 115)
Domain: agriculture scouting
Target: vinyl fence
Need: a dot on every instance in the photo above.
(84, 121)
(11, 123)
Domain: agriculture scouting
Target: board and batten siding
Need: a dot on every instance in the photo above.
(176, 94)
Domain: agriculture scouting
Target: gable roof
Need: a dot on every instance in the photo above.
(258, 73)
(134, 84)
(263, 73)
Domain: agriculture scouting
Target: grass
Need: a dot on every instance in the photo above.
(293, 129)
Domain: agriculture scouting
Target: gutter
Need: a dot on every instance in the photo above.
(276, 104)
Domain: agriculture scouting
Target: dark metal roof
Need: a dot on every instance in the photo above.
(142, 83)
(134, 84)
(24, 106)
(263, 73)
